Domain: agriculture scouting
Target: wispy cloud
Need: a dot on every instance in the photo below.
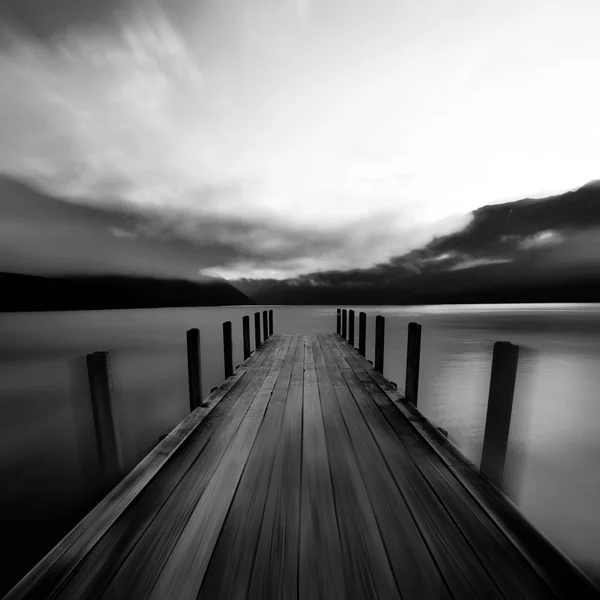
(304, 136)
(541, 239)
(479, 262)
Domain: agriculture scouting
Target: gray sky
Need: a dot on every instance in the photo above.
(298, 135)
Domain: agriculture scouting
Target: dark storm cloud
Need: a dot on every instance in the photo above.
(507, 229)
(525, 243)
(49, 18)
(42, 234)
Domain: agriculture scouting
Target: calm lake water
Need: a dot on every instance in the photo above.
(48, 465)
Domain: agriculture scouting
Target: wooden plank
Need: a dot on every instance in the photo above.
(549, 562)
(410, 552)
(564, 577)
(513, 575)
(275, 571)
(230, 568)
(182, 574)
(58, 565)
(153, 509)
(500, 560)
(367, 571)
(342, 358)
(320, 570)
(453, 554)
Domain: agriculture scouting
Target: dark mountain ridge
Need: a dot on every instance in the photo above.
(530, 250)
(25, 293)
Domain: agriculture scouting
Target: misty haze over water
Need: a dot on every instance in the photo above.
(49, 467)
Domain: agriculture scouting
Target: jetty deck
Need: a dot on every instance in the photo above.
(305, 475)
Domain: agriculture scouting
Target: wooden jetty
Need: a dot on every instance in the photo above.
(305, 474)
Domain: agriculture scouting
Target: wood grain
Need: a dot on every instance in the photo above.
(275, 570)
(481, 549)
(49, 575)
(122, 557)
(414, 567)
(307, 475)
(182, 574)
(367, 571)
(321, 572)
(231, 564)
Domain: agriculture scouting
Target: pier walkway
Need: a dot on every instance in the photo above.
(305, 475)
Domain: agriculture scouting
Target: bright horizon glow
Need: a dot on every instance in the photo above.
(376, 124)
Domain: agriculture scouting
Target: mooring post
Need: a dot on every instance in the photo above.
(271, 321)
(497, 422)
(227, 349)
(339, 321)
(413, 359)
(379, 342)
(351, 327)
(344, 323)
(257, 329)
(246, 335)
(362, 332)
(265, 325)
(107, 439)
(194, 368)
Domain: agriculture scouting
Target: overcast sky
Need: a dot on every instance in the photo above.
(300, 135)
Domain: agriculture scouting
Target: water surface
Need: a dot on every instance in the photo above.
(48, 464)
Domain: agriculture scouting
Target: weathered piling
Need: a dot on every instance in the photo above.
(351, 327)
(265, 325)
(107, 439)
(194, 368)
(379, 342)
(362, 332)
(413, 359)
(246, 336)
(497, 423)
(227, 349)
(344, 323)
(339, 321)
(271, 321)
(256, 329)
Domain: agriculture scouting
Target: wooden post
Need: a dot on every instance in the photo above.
(256, 329)
(351, 327)
(194, 368)
(271, 322)
(379, 342)
(497, 422)
(246, 336)
(339, 321)
(344, 323)
(227, 349)
(413, 359)
(362, 333)
(107, 440)
(265, 324)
